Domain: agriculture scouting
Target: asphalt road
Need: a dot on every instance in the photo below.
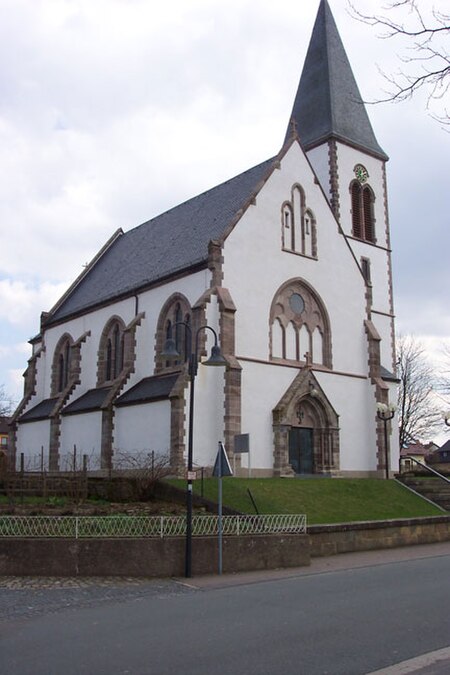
(327, 620)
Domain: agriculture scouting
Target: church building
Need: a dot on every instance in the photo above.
(288, 264)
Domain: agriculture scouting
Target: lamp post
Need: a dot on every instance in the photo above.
(386, 413)
(216, 359)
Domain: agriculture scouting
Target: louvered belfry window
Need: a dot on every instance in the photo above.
(368, 214)
(356, 210)
(363, 224)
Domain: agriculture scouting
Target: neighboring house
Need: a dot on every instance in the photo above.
(4, 431)
(414, 451)
(290, 262)
(440, 456)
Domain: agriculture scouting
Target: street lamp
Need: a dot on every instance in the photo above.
(446, 417)
(386, 413)
(216, 359)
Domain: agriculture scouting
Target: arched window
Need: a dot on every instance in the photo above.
(109, 360)
(179, 332)
(175, 312)
(298, 208)
(111, 351)
(278, 343)
(368, 200)
(291, 341)
(188, 337)
(363, 220)
(298, 225)
(61, 364)
(356, 210)
(309, 236)
(288, 227)
(299, 325)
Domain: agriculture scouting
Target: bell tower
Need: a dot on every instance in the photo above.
(334, 130)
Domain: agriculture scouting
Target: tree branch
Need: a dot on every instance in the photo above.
(428, 46)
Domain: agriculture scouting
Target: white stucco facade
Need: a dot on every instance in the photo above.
(255, 266)
(33, 441)
(80, 435)
(288, 266)
(142, 429)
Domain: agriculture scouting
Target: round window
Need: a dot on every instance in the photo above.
(297, 304)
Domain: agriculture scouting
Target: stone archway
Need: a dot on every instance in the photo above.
(305, 406)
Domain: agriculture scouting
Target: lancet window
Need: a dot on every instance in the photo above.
(61, 364)
(175, 322)
(299, 325)
(298, 225)
(363, 220)
(111, 351)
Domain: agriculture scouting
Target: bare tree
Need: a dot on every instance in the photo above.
(7, 403)
(425, 59)
(140, 472)
(444, 377)
(418, 415)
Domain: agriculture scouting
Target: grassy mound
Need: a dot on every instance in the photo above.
(323, 500)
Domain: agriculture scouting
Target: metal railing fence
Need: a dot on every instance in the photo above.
(120, 526)
(424, 467)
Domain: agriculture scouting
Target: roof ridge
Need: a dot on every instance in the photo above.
(202, 194)
(185, 230)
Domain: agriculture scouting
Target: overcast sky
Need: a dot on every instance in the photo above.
(112, 111)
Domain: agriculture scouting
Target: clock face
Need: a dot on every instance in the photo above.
(361, 173)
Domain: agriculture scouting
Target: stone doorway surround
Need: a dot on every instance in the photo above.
(305, 405)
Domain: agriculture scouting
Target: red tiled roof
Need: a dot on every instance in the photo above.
(415, 449)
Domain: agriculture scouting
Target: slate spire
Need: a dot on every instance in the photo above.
(328, 103)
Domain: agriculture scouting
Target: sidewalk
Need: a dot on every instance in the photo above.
(323, 565)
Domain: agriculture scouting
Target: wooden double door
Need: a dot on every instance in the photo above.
(301, 450)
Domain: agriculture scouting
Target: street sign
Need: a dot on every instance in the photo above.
(222, 466)
(191, 475)
(241, 444)
(242, 447)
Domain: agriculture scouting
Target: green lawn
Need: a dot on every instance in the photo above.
(323, 500)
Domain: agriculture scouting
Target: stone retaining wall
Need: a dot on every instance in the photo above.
(165, 557)
(366, 536)
(148, 557)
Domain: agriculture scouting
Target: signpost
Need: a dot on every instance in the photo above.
(222, 468)
(241, 447)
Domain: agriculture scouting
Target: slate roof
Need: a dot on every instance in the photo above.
(174, 241)
(41, 411)
(155, 388)
(91, 401)
(387, 375)
(441, 455)
(328, 102)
